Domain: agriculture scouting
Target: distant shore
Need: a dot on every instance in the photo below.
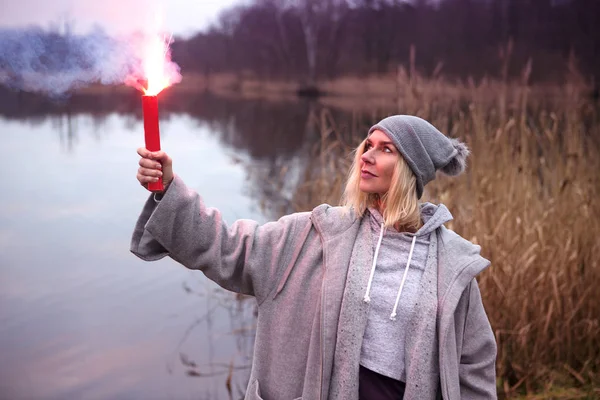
(354, 92)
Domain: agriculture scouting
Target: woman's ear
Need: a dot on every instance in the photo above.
(458, 164)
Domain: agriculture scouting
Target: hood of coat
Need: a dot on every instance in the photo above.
(462, 256)
(433, 216)
(331, 221)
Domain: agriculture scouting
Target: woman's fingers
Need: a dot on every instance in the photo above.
(146, 179)
(143, 152)
(150, 164)
(161, 157)
(154, 166)
(145, 175)
(150, 172)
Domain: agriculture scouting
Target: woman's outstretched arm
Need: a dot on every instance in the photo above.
(245, 257)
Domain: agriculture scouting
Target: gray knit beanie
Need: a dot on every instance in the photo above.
(424, 148)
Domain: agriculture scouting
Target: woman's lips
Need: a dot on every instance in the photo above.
(367, 175)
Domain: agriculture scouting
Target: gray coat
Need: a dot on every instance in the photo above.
(308, 272)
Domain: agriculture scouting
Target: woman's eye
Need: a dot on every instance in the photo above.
(387, 149)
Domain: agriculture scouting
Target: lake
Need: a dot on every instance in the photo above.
(82, 317)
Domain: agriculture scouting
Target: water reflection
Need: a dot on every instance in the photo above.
(263, 129)
(273, 140)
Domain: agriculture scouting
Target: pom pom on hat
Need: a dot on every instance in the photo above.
(458, 164)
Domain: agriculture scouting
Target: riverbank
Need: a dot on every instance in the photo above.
(388, 92)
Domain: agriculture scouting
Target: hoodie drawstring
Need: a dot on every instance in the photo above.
(412, 247)
(367, 299)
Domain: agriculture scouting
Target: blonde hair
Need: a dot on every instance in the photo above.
(399, 206)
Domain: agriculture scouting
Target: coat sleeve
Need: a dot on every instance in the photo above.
(477, 370)
(245, 257)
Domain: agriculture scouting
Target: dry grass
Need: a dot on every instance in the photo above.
(531, 199)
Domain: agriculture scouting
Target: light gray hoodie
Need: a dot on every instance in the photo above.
(308, 272)
(400, 262)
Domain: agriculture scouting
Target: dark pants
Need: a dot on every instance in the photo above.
(374, 386)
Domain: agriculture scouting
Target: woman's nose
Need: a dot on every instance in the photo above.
(367, 157)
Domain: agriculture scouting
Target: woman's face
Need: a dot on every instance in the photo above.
(377, 164)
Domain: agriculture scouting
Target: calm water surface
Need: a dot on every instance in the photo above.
(80, 316)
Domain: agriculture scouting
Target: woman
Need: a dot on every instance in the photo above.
(374, 299)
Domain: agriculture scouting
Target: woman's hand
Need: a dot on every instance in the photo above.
(154, 166)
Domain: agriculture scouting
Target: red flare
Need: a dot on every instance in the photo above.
(151, 132)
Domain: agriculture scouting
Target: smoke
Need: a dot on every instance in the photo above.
(54, 63)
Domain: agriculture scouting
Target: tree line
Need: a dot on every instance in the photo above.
(311, 40)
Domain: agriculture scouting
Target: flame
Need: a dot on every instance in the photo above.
(155, 64)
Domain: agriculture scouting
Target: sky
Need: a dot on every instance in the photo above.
(179, 17)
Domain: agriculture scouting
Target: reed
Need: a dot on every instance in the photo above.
(530, 198)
